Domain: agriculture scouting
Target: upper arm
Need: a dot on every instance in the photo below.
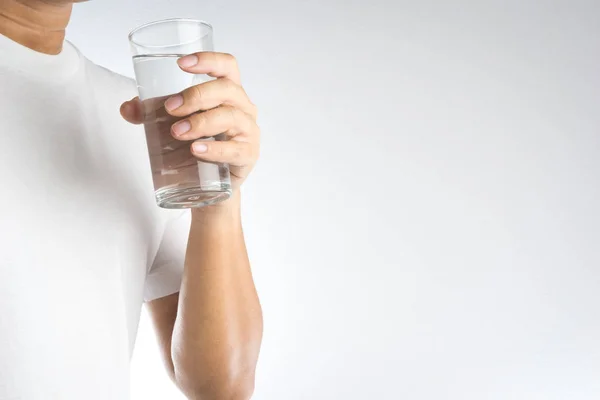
(164, 277)
(164, 280)
(163, 313)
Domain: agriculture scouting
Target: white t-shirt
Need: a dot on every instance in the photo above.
(82, 243)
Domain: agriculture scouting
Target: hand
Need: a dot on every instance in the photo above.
(217, 107)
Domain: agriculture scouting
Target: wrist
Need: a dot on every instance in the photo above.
(228, 209)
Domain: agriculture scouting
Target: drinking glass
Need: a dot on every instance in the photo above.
(180, 180)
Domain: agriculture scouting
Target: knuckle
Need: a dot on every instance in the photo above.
(203, 55)
(199, 122)
(195, 94)
(228, 85)
(230, 114)
(230, 58)
(211, 56)
(249, 127)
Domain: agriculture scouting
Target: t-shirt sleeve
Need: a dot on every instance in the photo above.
(164, 277)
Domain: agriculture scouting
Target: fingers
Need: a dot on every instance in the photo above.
(225, 119)
(235, 153)
(217, 65)
(132, 111)
(209, 95)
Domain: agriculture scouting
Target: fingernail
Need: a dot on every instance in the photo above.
(181, 127)
(188, 61)
(199, 147)
(174, 102)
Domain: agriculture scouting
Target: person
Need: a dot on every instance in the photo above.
(84, 244)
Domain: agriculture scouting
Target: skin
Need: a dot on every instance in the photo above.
(209, 333)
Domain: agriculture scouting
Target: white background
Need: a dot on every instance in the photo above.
(424, 223)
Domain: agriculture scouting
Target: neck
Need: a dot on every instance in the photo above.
(35, 24)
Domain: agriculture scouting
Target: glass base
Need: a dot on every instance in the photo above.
(191, 197)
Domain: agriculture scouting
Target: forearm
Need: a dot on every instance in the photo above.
(218, 329)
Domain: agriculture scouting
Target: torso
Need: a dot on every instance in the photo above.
(80, 229)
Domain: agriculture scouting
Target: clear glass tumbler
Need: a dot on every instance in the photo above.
(180, 180)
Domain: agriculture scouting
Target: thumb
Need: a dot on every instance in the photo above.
(132, 111)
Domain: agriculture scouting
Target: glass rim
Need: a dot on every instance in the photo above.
(164, 21)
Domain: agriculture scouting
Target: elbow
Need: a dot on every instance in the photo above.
(233, 384)
(236, 389)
